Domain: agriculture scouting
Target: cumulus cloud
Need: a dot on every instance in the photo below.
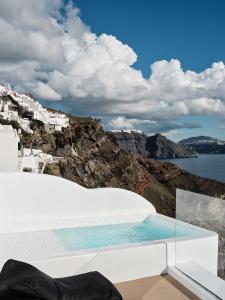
(150, 126)
(46, 50)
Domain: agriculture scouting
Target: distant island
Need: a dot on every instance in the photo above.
(204, 145)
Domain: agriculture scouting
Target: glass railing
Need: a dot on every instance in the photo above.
(201, 254)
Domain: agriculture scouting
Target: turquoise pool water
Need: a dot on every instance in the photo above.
(120, 234)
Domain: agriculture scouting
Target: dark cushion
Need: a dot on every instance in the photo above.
(21, 281)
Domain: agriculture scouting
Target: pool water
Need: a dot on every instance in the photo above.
(119, 234)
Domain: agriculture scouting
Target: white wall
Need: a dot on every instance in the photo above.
(8, 149)
(37, 201)
(203, 250)
(117, 265)
(30, 162)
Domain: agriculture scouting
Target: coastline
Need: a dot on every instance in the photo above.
(205, 165)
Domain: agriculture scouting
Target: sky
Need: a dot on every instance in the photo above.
(149, 65)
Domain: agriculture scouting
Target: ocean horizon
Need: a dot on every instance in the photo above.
(205, 165)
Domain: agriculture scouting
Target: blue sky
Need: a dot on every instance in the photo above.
(191, 31)
(154, 66)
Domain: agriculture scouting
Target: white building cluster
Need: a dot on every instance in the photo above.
(13, 109)
(51, 120)
(24, 160)
(33, 160)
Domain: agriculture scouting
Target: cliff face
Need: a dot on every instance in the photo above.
(132, 142)
(156, 146)
(161, 147)
(93, 158)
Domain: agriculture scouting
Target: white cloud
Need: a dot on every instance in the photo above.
(170, 134)
(55, 56)
(150, 127)
(46, 92)
(124, 123)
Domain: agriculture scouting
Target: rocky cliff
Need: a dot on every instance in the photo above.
(157, 146)
(132, 142)
(93, 158)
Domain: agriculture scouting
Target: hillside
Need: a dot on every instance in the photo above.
(157, 146)
(93, 158)
(204, 144)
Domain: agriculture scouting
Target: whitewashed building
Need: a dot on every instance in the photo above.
(51, 120)
(8, 149)
(26, 159)
(33, 160)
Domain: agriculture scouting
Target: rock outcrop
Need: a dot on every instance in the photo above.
(157, 146)
(132, 142)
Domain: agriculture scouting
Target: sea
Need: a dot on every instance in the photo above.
(205, 165)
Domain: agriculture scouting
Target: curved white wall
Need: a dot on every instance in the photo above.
(37, 201)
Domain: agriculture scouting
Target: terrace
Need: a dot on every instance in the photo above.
(156, 287)
(65, 229)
